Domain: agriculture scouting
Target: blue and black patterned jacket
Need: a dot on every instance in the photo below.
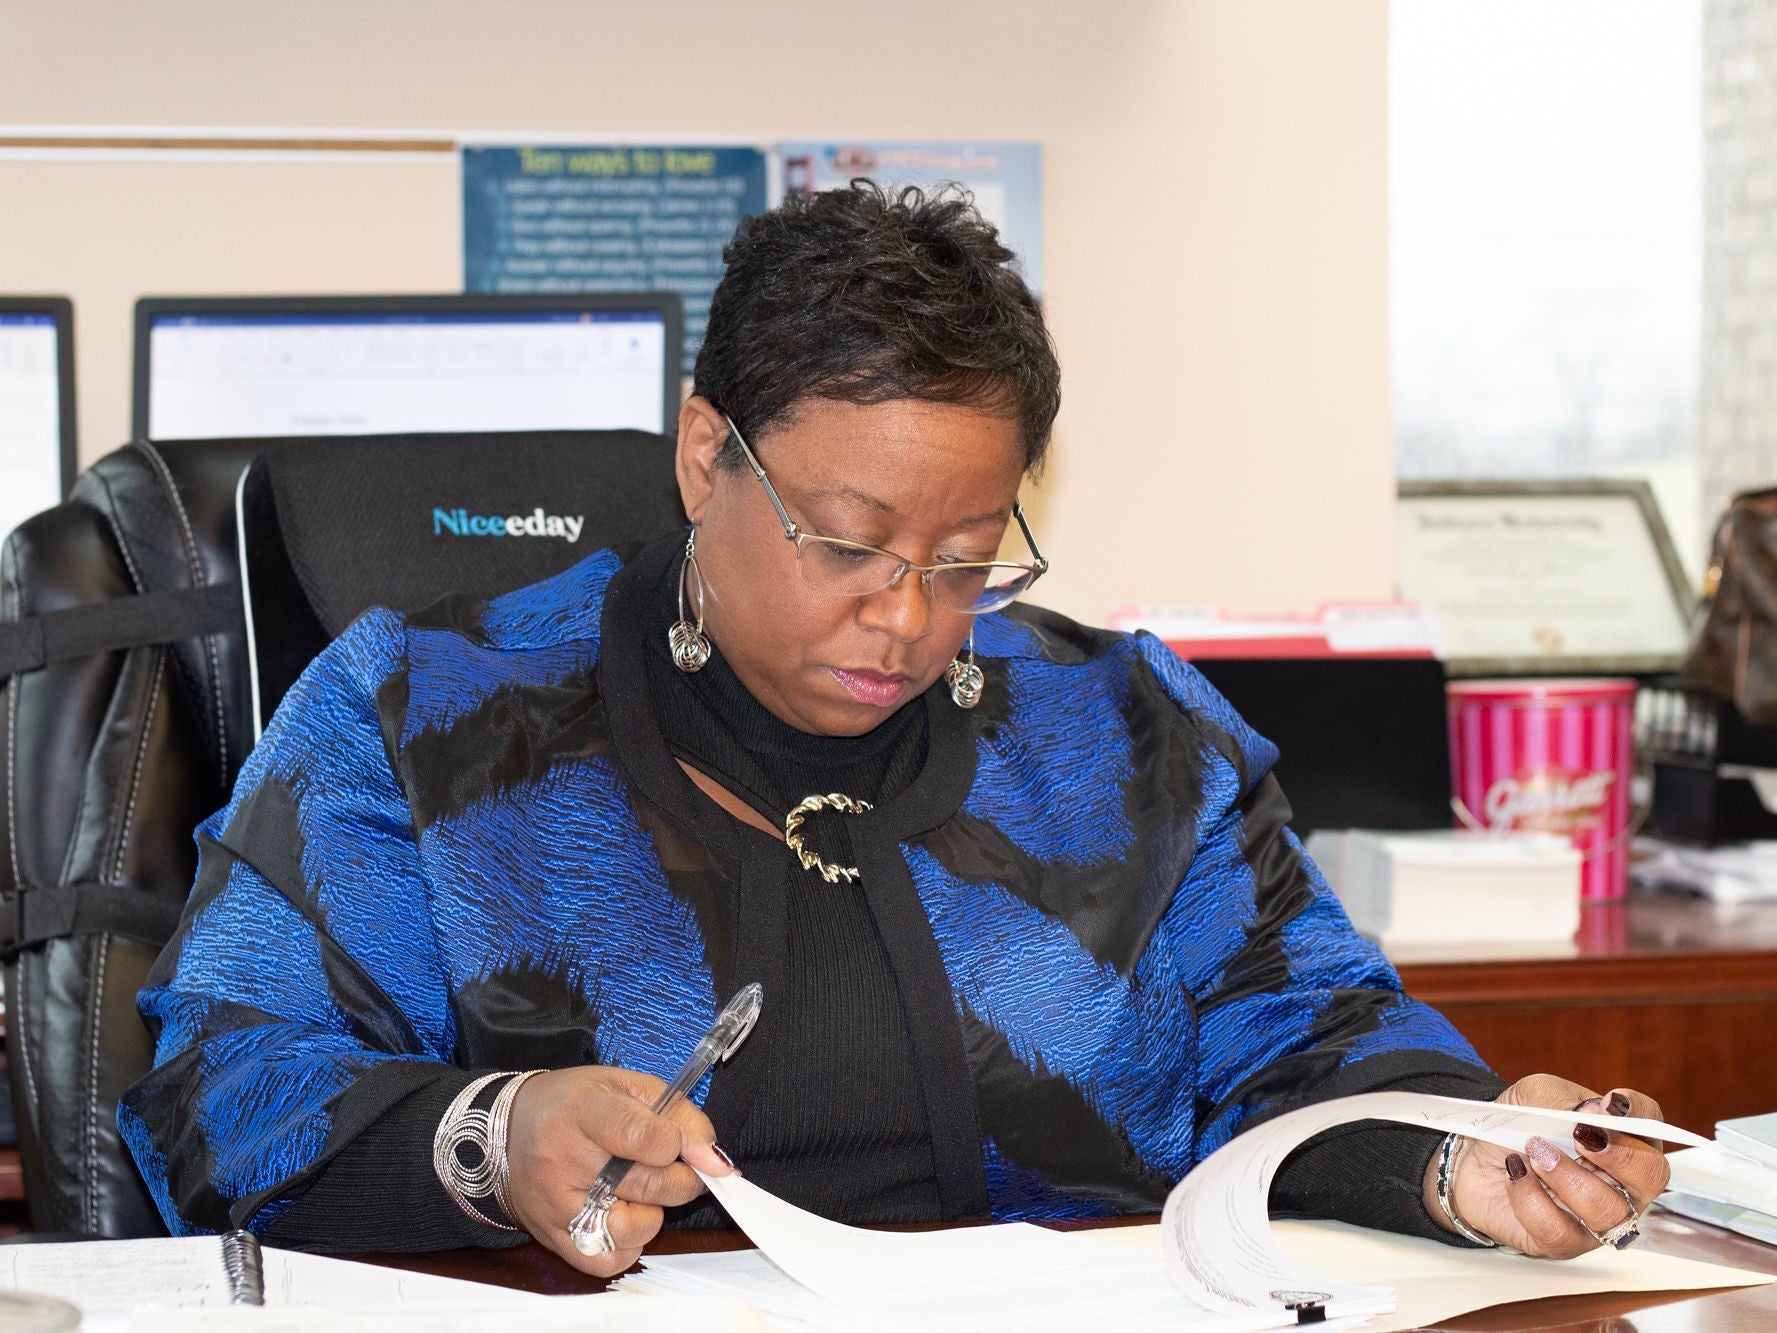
(461, 845)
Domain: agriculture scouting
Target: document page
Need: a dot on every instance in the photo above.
(607, 1313)
(295, 1278)
(110, 1279)
(107, 1279)
(965, 1278)
(1434, 1282)
(1216, 1239)
(1218, 1253)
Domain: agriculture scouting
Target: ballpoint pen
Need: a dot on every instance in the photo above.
(590, 1228)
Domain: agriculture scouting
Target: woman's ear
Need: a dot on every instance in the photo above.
(702, 432)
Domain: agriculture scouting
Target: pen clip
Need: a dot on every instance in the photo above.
(743, 1010)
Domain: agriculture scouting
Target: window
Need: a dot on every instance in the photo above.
(1546, 243)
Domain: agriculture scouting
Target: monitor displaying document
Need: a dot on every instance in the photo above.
(37, 462)
(247, 367)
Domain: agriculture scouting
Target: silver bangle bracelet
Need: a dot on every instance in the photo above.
(499, 1121)
(464, 1126)
(1447, 1157)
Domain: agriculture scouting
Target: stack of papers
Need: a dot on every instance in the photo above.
(1219, 1264)
(1453, 887)
(1735, 872)
(1732, 1182)
(1433, 1282)
(176, 1285)
(606, 1313)
(1013, 1276)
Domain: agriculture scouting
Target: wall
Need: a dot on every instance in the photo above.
(1215, 213)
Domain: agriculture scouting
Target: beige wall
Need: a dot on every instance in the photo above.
(1215, 180)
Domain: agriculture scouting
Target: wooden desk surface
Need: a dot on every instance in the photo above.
(1673, 995)
(532, 1268)
(1642, 928)
(1668, 994)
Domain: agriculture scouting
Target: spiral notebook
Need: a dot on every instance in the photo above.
(110, 1279)
(243, 1267)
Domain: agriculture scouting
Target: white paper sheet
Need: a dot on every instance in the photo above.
(1217, 1247)
(1753, 1136)
(608, 1313)
(790, 1307)
(1434, 1282)
(749, 1276)
(1716, 1173)
(1217, 1241)
(966, 1278)
(293, 1278)
(108, 1279)
(1748, 1222)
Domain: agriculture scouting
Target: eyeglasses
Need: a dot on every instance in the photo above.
(854, 569)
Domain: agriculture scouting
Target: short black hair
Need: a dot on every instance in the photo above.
(863, 296)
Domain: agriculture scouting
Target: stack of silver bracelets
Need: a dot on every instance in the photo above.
(1448, 1152)
(481, 1134)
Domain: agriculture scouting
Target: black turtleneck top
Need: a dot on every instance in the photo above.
(845, 1111)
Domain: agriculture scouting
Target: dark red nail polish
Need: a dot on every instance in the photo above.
(727, 1161)
(1591, 1138)
(1515, 1167)
(1585, 1102)
(1618, 1104)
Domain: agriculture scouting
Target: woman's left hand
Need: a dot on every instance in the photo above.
(1542, 1201)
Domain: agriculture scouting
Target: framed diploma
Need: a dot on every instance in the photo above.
(1543, 577)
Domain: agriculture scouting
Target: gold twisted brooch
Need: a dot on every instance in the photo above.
(837, 800)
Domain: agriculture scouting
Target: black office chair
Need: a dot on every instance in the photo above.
(332, 527)
(123, 724)
(128, 704)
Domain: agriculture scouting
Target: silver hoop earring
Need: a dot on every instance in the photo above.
(964, 677)
(691, 647)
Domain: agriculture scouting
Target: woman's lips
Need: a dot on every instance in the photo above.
(872, 687)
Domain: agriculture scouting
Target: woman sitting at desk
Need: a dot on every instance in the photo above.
(1036, 942)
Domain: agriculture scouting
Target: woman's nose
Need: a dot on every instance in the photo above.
(903, 609)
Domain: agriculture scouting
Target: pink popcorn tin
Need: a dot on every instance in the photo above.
(1554, 755)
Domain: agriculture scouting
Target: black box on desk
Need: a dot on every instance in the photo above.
(1703, 753)
(1693, 801)
(1363, 742)
(1738, 741)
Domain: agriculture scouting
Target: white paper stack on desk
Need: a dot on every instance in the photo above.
(1734, 872)
(1219, 1266)
(1453, 887)
(1732, 1182)
(231, 1284)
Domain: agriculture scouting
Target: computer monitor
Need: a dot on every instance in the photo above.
(247, 367)
(37, 462)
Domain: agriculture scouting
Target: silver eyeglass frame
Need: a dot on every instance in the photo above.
(1038, 567)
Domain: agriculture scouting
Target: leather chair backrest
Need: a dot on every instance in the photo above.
(111, 759)
(127, 706)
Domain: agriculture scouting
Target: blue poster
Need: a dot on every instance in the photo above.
(1005, 178)
(618, 218)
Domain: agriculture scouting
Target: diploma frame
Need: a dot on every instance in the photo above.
(1507, 660)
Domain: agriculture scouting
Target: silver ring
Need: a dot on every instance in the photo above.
(1624, 1233)
(591, 1228)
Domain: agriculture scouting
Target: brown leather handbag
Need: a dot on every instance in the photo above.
(1735, 652)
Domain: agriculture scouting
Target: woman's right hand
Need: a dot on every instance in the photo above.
(567, 1123)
